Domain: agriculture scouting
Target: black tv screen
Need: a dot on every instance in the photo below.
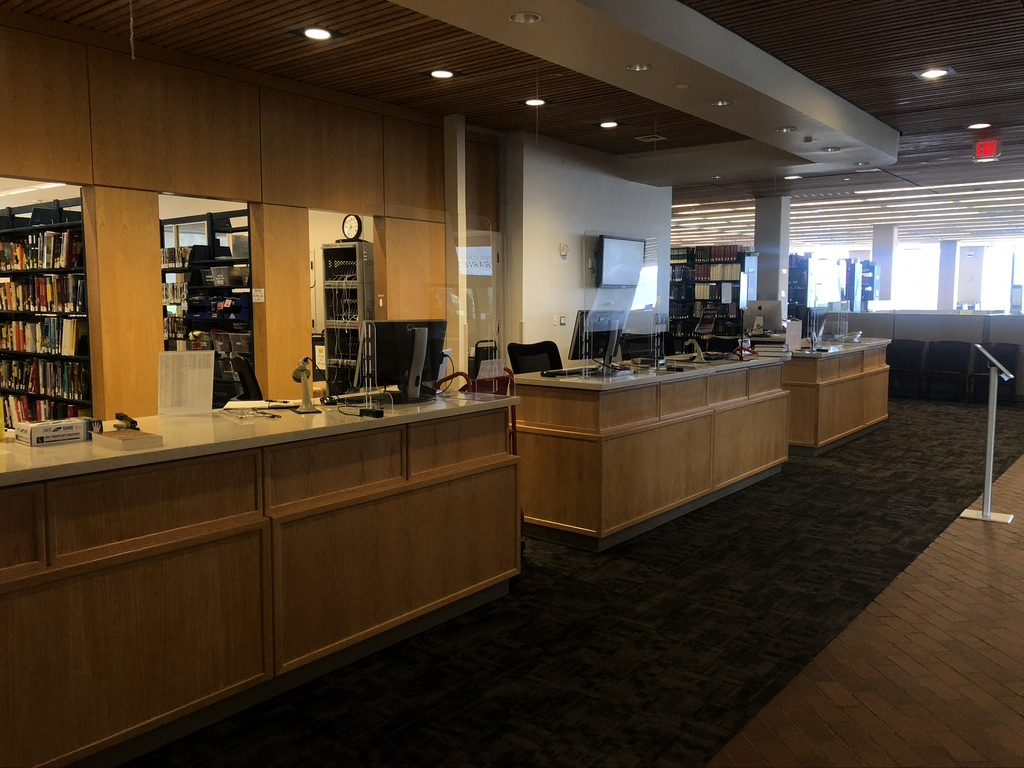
(395, 345)
(618, 261)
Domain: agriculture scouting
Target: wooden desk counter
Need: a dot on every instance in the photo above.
(606, 459)
(136, 587)
(836, 395)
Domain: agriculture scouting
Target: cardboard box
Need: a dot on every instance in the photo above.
(56, 431)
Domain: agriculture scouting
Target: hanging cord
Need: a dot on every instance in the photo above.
(131, 27)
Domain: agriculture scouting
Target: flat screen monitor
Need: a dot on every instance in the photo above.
(596, 335)
(405, 354)
(618, 261)
(763, 316)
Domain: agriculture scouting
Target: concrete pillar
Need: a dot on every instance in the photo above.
(947, 274)
(883, 246)
(771, 241)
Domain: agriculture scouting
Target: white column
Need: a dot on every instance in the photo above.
(947, 274)
(771, 241)
(883, 246)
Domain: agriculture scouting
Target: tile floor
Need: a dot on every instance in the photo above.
(930, 674)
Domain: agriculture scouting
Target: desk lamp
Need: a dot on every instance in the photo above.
(302, 375)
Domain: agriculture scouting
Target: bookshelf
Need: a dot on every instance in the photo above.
(706, 275)
(798, 271)
(348, 302)
(44, 323)
(207, 294)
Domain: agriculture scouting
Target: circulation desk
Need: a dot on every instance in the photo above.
(604, 459)
(137, 587)
(836, 395)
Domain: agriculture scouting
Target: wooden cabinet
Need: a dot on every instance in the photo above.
(603, 464)
(136, 595)
(836, 395)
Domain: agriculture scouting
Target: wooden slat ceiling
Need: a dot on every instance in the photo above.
(864, 51)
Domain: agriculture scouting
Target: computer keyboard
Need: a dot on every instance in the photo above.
(555, 372)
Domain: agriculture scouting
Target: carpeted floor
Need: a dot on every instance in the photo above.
(655, 652)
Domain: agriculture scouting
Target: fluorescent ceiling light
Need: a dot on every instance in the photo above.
(794, 177)
(979, 126)
(921, 187)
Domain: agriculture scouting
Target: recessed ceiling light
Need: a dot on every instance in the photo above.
(979, 126)
(535, 102)
(609, 124)
(317, 33)
(682, 86)
(830, 149)
(442, 74)
(935, 73)
(792, 178)
(525, 17)
(638, 67)
(985, 159)
(785, 129)
(861, 163)
(715, 178)
(720, 103)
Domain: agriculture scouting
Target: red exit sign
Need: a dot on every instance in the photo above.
(986, 149)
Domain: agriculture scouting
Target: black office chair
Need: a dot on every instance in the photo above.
(250, 387)
(947, 363)
(905, 358)
(977, 382)
(529, 358)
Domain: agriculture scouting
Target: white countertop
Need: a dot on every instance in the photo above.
(219, 432)
(641, 378)
(835, 350)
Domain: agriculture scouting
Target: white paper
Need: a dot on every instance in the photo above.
(726, 293)
(186, 382)
(491, 369)
(794, 334)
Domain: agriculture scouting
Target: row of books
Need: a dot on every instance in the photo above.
(44, 293)
(709, 253)
(717, 271)
(21, 408)
(53, 378)
(175, 293)
(43, 250)
(48, 336)
(175, 257)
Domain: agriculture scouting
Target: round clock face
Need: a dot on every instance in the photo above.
(351, 226)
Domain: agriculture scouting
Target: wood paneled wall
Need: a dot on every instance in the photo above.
(170, 129)
(125, 299)
(413, 257)
(283, 322)
(45, 131)
(321, 155)
(413, 173)
(127, 125)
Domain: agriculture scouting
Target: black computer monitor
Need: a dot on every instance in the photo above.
(405, 354)
(596, 335)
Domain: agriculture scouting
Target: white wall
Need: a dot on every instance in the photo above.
(568, 195)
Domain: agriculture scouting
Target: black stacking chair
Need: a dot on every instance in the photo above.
(947, 364)
(977, 383)
(905, 358)
(529, 358)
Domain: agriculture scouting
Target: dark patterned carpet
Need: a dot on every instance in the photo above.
(655, 652)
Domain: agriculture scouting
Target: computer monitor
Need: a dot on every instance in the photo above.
(596, 335)
(763, 316)
(405, 354)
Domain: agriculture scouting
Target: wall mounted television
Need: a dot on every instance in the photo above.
(618, 261)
